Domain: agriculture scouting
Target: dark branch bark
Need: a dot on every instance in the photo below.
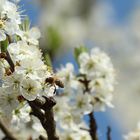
(9, 60)
(7, 57)
(108, 133)
(93, 127)
(8, 134)
(46, 116)
(42, 137)
(92, 121)
(85, 129)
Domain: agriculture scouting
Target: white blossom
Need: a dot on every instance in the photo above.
(135, 135)
(9, 19)
(13, 81)
(99, 70)
(68, 77)
(21, 116)
(95, 64)
(30, 89)
(89, 89)
(79, 135)
(32, 35)
(2, 35)
(81, 103)
(8, 101)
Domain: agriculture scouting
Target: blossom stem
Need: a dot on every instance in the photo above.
(85, 129)
(7, 133)
(42, 137)
(47, 117)
(108, 133)
(93, 127)
(8, 57)
(9, 60)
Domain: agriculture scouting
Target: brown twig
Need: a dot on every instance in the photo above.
(42, 137)
(93, 127)
(92, 121)
(85, 82)
(46, 116)
(85, 129)
(8, 134)
(10, 62)
(108, 134)
(7, 56)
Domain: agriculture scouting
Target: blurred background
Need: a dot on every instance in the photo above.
(114, 26)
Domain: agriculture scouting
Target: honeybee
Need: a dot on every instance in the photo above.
(54, 81)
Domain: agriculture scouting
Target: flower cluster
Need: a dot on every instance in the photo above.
(24, 77)
(9, 19)
(99, 73)
(86, 91)
(135, 135)
(22, 69)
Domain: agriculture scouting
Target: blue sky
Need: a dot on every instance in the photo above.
(122, 8)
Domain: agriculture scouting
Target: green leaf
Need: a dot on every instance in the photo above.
(78, 51)
(17, 38)
(4, 45)
(54, 40)
(47, 60)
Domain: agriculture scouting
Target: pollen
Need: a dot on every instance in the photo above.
(2, 23)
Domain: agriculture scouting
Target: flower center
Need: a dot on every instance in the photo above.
(80, 104)
(30, 89)
(69, 138)
(2, 23)
(67, 118)
(9, 99)
(90, 64)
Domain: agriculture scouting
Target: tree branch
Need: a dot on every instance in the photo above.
(42, 137)
(5, 54)
(46, 116)
(85, 129)
(8, 134)
(9, 60)
(93, 127)
(108, 134)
